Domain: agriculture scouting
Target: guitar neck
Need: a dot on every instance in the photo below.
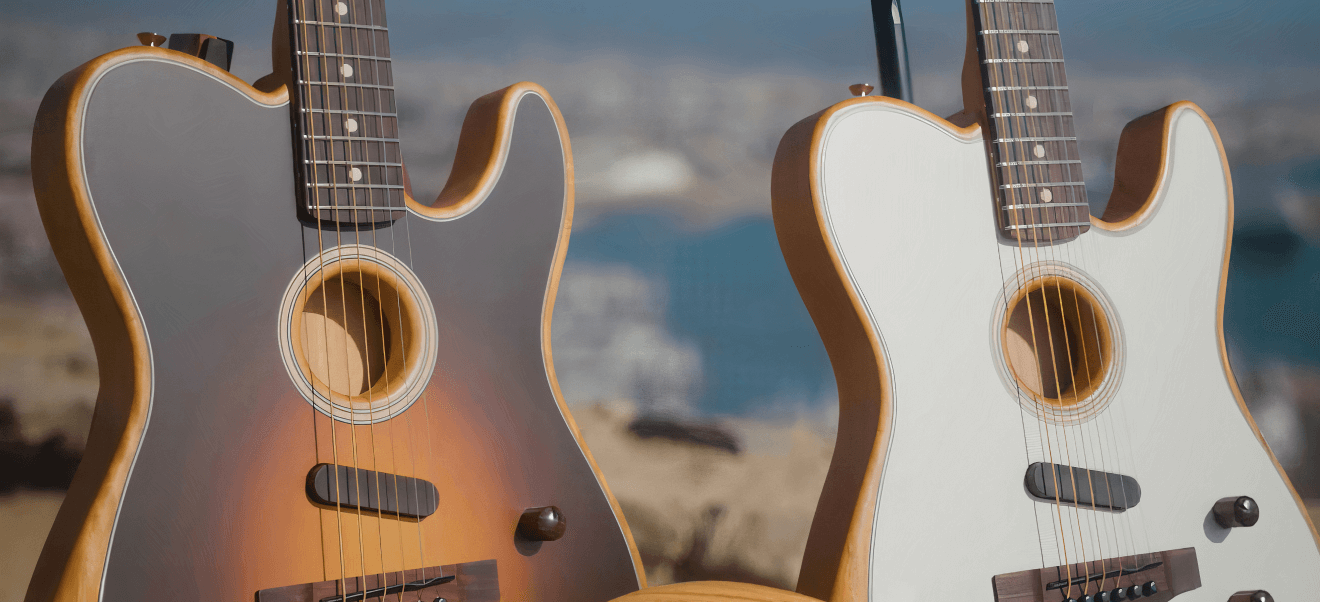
(345, 121)
(1037, 167)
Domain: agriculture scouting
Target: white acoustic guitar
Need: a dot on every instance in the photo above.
(1036, 405)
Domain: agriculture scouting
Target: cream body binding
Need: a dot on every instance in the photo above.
(907, 207)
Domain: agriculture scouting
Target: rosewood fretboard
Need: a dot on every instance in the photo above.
(1037, 167)
(345, 123)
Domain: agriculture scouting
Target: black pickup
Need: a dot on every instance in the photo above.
(371, 491)
(1085, 488)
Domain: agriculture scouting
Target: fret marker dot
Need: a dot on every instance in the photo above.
(341, 8)
(1039, 150)
(1032, 102)
(356, 174)
(351, 126)
(1023, 46)
(1045, 194)
(348, 70)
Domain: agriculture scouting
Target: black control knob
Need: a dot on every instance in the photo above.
(1118, 595)
(1150, 589)
(1087, 598)
(546, 523)
(217, 51)
(1240, 511)
(1103, 597)
(1252, 596)
(1134, 592)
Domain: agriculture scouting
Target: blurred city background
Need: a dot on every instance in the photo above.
(680, 341)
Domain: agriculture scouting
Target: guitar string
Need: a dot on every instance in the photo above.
(384, 158)
(1101, 425)
(322, 285)
(1118, 412)
(375, 51)
(1014, 213)
(1088, 526)
(354, 193)
(1035, 20)
(1018, 260)
(1040, 22)
(424, 398)
(1082, 419)
(987, 13)
(334, 184)
(1098, 533)
(1026, 127)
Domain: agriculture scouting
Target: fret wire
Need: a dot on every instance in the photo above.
(1043, 205)
(1040, 185)
(1040, 139)
(1054, 114)
(1053, 225)
(348, 85)
(1012, 163)
(1009, 88)
(362, 138)
(349, 25)
(990, 61)
(376, 73)
(367, 163)
(347, 112)
(367, 57)
(356, 208)
(1047, 32)
(348, 185)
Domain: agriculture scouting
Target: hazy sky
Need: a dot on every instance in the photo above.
(675, 109)
(821, 34)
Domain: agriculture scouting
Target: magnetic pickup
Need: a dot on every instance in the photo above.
(371, 491)
(1085, 488)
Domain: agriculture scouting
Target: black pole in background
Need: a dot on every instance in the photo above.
(891, 50)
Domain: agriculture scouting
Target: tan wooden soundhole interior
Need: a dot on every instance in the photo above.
(359, 334)
(1057, 341)
(354, 324)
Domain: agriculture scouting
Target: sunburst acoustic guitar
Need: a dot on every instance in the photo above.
(1036, 404)
(314, 388)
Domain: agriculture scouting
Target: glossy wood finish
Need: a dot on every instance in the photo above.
(713, 591)
(179, 261)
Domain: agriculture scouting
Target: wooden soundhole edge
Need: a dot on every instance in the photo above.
(1072, 371)
(358, 334)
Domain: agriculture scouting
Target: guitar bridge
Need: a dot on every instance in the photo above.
(1171, 572)
(465, 582)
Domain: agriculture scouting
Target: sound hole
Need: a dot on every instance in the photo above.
(359, 334)
(1057, 341)
(346, 334)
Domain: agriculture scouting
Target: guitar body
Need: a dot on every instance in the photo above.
(166, 188)
(885, 217)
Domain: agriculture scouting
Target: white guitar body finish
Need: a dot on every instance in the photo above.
(903, 202)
